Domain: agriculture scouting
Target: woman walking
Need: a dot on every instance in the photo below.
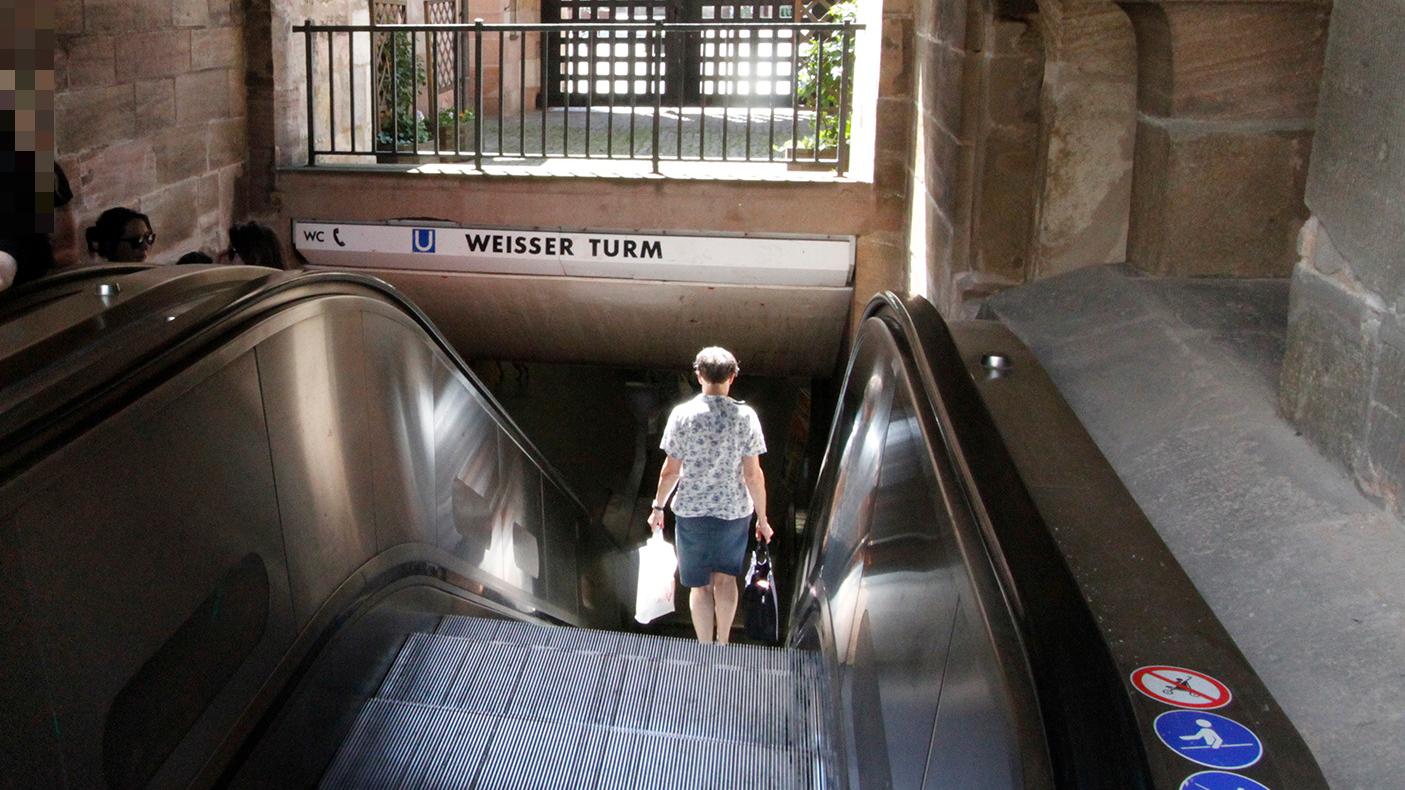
(714, 446)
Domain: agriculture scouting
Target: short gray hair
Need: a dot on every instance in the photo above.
(716, 364)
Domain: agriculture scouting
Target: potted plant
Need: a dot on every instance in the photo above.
(401, 129)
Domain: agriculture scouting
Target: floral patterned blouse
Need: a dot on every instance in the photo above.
(711, 434)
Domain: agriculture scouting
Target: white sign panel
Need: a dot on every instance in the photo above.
(746, 260)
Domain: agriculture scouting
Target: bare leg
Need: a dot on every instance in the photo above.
(700, 603)
(724, 595)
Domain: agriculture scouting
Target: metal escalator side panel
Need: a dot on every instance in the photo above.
(125, 536)
(258, 441)
(899, 588)
(66, 352)
(1077, 600)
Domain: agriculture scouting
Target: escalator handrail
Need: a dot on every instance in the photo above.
(958, 419)
(148, 367)
(21, 298)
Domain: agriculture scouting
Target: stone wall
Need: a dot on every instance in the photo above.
(942, 165)
(150, 115)
(1058, 134)
(1344, 374)
(1088, 116)
(1227, 94)
(972, 169)
(1021, 163)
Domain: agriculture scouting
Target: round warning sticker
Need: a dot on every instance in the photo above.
(1220, 780)
(1208, 739)
(1184, 688)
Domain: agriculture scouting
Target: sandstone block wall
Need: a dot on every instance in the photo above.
(1344, 374)
(1088, 114)
(1227, 94)
(149, 108)
(942, 165)
(1022, 160)
(973, 166)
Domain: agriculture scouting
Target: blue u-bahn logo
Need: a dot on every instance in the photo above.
(423, 240)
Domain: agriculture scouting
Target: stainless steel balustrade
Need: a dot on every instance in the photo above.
(228, 497)
(163, 556)
(981, 586)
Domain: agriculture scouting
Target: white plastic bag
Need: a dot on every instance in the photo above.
(654, 596)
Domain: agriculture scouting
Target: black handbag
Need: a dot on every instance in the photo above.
(759, 599)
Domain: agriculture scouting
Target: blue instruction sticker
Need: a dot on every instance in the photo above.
(1209, 739)
(1220, 780)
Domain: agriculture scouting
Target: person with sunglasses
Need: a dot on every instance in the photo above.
(714, 446)
(121, 235)
(253, 244)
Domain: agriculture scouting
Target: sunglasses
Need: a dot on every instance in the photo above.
(146, 240)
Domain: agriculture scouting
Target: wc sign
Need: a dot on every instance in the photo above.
(422, 240)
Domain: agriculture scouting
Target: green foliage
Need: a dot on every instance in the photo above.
(446, 128)
(822, 67)
(400, 125)
(446, 117)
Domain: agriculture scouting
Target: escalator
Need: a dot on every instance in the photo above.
(266, 529)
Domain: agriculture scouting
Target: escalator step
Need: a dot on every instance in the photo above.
(540, 754)
(454, 747)
(724, 700)
(747, 656)
(494, 703)
(425, 669)
(489, 677)
(482, 629)
(564, 686)
(633, 678)
(383, 745)
(651, 760)
(620, 643)
(398, 744)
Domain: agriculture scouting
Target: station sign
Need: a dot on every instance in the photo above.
(744, 259)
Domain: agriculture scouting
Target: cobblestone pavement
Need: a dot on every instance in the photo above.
(628, 132)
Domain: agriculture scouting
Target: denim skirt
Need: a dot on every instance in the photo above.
(707, 545)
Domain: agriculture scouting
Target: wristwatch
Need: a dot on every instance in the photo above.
(655, 506)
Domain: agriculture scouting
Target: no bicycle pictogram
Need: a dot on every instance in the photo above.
(1184, 688)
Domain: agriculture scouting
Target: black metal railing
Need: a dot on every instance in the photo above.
(643, 90)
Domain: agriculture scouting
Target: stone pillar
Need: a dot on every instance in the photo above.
(948, 99)
(881, 131)
(1343, 379)
(1227, 93)
(1088, 124)
(276, 79)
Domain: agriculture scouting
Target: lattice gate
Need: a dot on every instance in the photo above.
(710, 67)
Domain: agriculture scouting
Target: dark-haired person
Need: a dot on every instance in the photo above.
(26, 254)
(254, 244)
(714, 447)
(121, 235)
(195, 256)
